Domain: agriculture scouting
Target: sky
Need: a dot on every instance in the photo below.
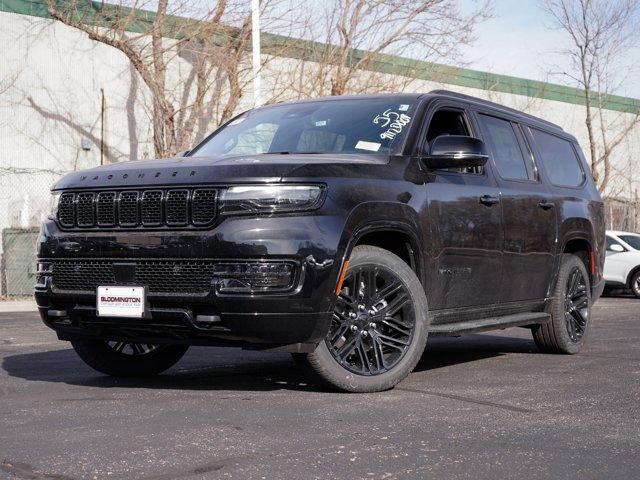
(518, 41)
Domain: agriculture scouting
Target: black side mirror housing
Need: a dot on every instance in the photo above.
(456, 151)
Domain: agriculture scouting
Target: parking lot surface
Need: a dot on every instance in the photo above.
(478, 406)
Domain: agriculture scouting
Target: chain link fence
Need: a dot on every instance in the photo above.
(24, 202)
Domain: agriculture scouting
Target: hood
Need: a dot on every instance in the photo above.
(204, 170)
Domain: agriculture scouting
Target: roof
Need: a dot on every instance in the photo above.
(435, 93)
(495, 106)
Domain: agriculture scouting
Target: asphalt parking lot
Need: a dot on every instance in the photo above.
(478, 406)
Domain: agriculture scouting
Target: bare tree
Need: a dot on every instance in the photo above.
(601, 33)
(352, 43)
(7, 82)
(211, 45)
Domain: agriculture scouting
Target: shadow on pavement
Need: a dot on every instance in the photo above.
(618, 293)
(232, 369)
(446, 351)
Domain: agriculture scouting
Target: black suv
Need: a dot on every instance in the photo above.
(343, 230)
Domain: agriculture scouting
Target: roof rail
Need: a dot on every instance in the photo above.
(497, 106)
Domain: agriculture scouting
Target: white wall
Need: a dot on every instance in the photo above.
(55, 103)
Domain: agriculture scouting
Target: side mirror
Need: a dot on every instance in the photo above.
(616, 247)
(456, 151)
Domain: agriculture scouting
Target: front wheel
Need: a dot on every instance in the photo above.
(128, 359)
(379, 327)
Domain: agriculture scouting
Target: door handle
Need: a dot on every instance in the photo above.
(546, 205)
(489, 200)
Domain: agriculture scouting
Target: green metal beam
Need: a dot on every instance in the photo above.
(395, 65)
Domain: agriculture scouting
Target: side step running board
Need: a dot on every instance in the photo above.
(493, 323)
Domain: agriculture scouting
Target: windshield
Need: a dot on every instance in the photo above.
(369, 126)
(631, 240)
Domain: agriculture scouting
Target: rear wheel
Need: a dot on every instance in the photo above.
(128, 359)
(635, 284)
(379, 326)
(570, 310)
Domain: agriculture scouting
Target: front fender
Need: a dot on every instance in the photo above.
(382, 216)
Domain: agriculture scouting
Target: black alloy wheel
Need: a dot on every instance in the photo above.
(379, 326)
(134, 349)
(373, 321)
(569, 307)
(127, 359)
(576, 305)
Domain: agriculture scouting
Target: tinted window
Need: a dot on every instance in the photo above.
(447, 122)
(450, 122)
(503, 142)
(559, 159)
(632, 240)
(366, 126)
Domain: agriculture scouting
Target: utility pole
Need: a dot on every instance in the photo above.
(255, 41)
(103, 127)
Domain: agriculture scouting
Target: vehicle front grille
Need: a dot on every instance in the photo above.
(160, 276)
(138, 209)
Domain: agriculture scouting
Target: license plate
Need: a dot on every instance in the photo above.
(121, 302)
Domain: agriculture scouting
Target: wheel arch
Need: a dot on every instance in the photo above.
(578, 238)
(392, 226)
(633, 271)
(581, 247)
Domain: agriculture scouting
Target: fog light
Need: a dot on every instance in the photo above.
(254, 277)
(43, 270)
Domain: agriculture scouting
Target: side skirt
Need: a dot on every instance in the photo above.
(494, 323)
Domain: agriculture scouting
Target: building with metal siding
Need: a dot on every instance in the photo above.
(56, 84)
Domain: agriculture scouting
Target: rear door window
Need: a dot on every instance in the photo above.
(559, 159)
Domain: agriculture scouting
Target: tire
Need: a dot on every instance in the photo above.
(396, 324)
(121, 359)
(635, 284)
(567, 330)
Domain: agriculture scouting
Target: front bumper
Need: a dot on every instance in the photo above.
(296, 318)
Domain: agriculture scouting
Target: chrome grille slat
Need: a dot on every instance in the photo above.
(138, 209)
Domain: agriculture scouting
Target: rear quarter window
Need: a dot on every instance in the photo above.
(559, 159)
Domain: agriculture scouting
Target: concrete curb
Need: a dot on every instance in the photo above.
(18, 306)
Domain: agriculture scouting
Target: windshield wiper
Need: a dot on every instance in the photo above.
(284, 152)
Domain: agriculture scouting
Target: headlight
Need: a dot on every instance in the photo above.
(270, 198)
(55, 200)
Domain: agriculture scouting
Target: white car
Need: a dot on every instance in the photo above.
(622, 264)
